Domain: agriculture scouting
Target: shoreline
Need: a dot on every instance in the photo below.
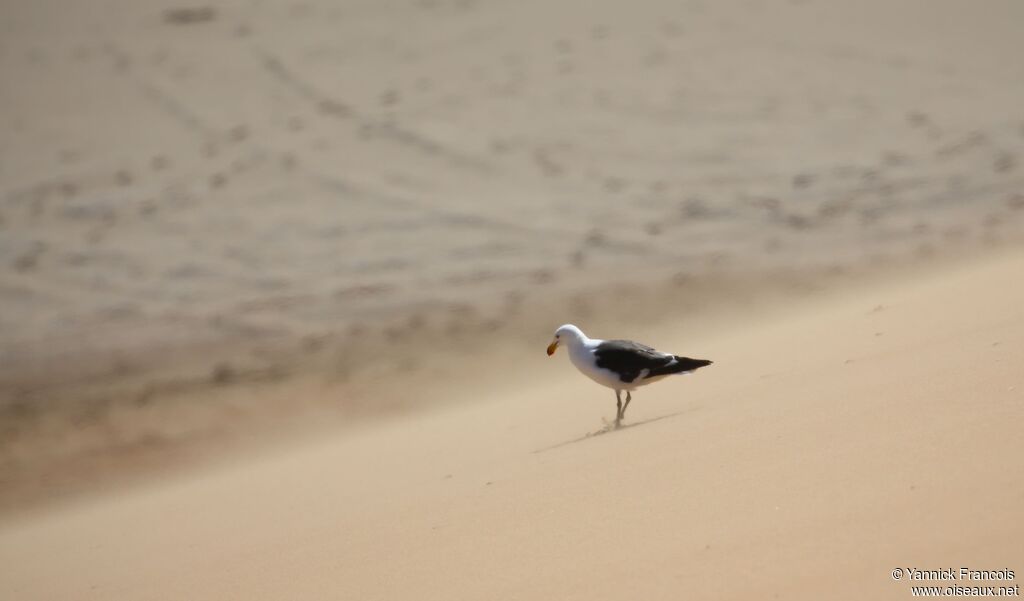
(83, 447)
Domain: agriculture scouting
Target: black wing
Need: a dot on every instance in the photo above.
(629, 359)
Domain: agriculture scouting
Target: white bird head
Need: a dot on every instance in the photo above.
(567, 334)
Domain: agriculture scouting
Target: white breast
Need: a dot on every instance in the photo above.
(585, 361)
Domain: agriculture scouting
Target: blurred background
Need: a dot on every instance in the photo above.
(221, 220)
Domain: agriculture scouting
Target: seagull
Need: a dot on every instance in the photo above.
(620, 364)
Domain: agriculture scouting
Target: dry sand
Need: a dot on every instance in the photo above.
(227, 226)
(863, 432)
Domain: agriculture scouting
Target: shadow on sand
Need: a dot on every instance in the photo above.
(610, 428)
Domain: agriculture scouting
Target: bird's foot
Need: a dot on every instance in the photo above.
(610, 425)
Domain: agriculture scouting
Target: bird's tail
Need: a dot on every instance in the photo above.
(681, 365)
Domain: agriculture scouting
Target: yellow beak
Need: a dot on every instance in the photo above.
(552, 347)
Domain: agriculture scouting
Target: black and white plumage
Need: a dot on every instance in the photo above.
(622, 365)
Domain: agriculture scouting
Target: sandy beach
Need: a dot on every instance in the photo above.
(209, 209)
(861, 433)
(276, 278)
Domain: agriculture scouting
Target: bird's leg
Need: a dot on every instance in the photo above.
(622, 412)
(618, 403)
